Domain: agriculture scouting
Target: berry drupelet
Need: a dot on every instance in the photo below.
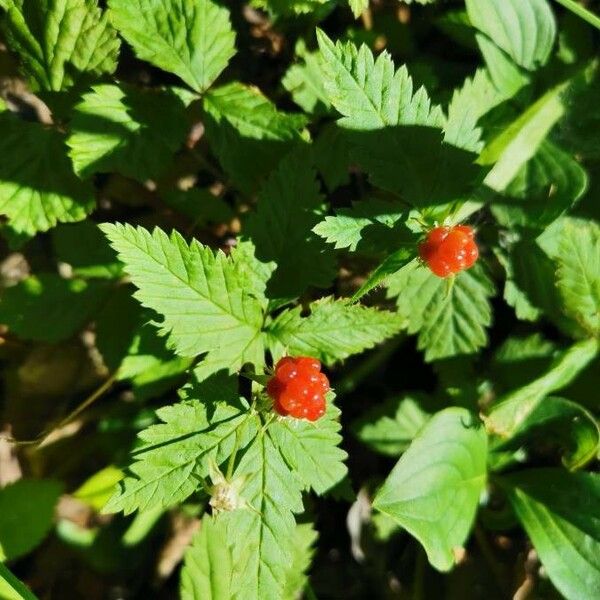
(298, 388)
(449, 250)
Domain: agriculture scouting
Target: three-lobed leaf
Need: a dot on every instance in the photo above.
(208, 302)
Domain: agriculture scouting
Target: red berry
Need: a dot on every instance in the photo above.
(448, 250)
(298, 388)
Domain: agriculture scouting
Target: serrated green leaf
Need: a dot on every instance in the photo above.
(247, 133)
(358, 6)
(174, 456)
(121, 129)
(261, 535)
(524, 30)
(312, 449)
(38, 188)
(559, 513)
(293, 7)
(508, 414)
(519, 142)
(434, 489)
(26, 514)
(191, 38)
(289, 206)
(207, 302)
(207, 569)
(450, 317)
(85, 249)
(345, 229)
(50, 308)
(333, 331)
(396, 136)
(331, 156)
(578, 275)
(390, 427)
(302, 554)
(304, 81)
(477, 96)
(61, 41)
(11, 588)
(547, 185)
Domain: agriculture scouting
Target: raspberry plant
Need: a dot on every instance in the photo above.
(204, 203)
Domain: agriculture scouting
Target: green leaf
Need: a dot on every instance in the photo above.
(97, 489)
(191, 38)
(347, 228)
(519, 142)
(396, 136)
(119, 128)
(578, 276)
(389, 428)
(333, 331)
(434, 489)
(311, 449)
(61, 41)
(390, 266)
(261, 535)
(174, 456)
(289, 206)
(559, 513)
(11, 588)
(450, 317)
(26, 515)
(208, 303)
(49, 308)
(304, 81)
(546, 186)
(294, 7)
(358, 6)
(38, 188)
(524, 30)
(247, 133)
(207, 569)
(513, 409)
(475, 98)
(561, 423)
(85, 249)
(302, 553)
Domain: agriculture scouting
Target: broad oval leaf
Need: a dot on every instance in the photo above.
(434, 489)
(559, 511)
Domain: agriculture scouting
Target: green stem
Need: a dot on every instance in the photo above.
(350, 382)
(581, 12)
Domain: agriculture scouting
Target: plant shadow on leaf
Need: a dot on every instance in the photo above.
(119, 128)
(415, 163)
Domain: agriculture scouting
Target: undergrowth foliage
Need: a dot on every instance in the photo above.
(195, 229)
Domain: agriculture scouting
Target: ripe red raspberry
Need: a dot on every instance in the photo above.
(298, 388)
(449, 250)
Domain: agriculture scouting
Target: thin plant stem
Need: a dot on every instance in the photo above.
(581, 12)
(97, 393)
